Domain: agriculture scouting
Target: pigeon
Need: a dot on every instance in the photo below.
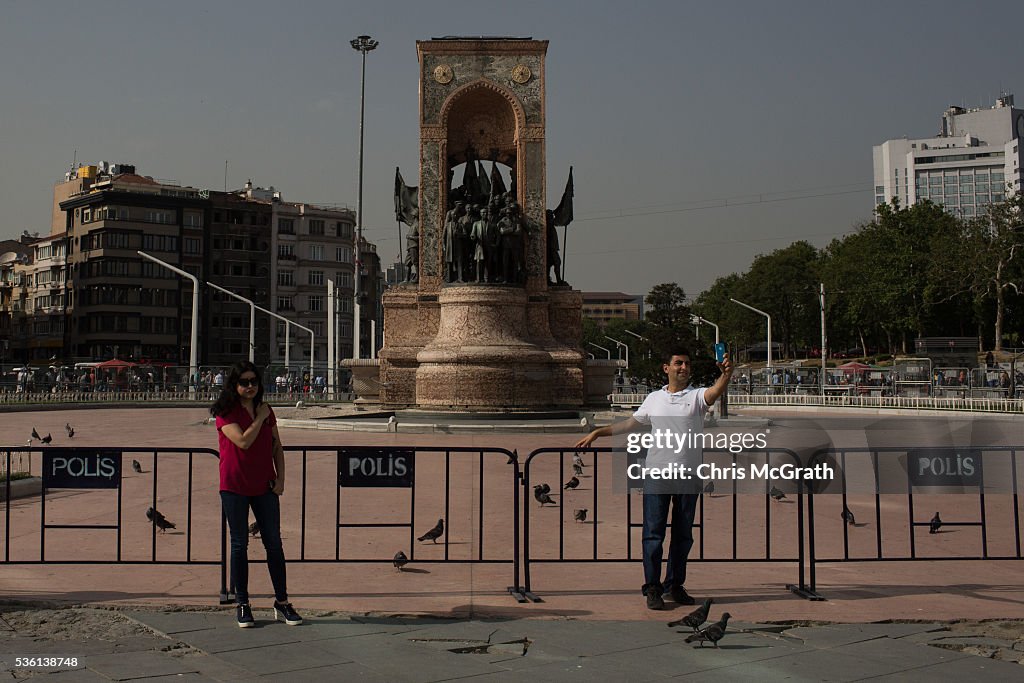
(300, 404)
(47, 439)
(541, 494)
(580, 515)
(713, 633)
(35, 435)
(577, 470)
(434, 533)
(571, 484)
(776, 493)
(400, 560)
(136, 467)
(577, 460)
(156, 517)
(709, 488)
(694, 619)
(69, 429)
(933, 526)
(848, 516)
(254, 529)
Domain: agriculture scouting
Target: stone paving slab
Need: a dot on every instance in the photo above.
(965, 669)
(276, 659)
(816, 665)
(396, 659)
(132, 665)
(898, 653)
(341, 672)
(836, 635)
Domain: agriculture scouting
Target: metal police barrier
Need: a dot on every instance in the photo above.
(69, 472)
(903, 475)
(598, 514)
(406, 488)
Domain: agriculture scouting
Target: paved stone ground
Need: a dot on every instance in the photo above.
(203, 646)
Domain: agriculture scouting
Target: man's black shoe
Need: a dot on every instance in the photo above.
(654, 600)
(681, 597)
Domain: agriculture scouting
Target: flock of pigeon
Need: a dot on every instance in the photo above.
(711, 633)
(542, 492)
(48, 439)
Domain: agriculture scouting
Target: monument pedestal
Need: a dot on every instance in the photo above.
(484, 357)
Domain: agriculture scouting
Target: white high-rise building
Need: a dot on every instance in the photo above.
(973, 161)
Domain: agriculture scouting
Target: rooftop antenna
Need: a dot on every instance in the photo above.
(225, 176)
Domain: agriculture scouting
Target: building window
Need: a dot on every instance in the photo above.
(316, 252)
(316, 277)
(343, 254)
(343, 280)
(286, 251)
(316, 227)
(316, 303)
(193, 245)
(286, 278)
(285, 226)
(284, 303)
(193, 220)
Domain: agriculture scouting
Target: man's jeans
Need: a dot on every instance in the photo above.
(656, 506)
(267, 510)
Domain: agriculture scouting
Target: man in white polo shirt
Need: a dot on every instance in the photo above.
(677, 408)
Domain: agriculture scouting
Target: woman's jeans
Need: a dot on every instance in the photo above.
(267, 510)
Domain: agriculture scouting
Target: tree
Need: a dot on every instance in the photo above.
(996, 242)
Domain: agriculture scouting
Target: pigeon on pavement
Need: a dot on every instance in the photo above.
(571, 484)
(136, 466)
(254, 529)
(709, 488)
(848, 516)
(935, 524)
(401, 559)
(47, 439)
(434, 533)
(69, 429)
(577, 460)
(156, 517)
(713, 633)
(35, 435)
(580, 515)
(694, 619)
(540, 492)
(776, 493)
(577, 470)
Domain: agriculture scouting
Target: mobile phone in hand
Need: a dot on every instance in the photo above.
(719, 352)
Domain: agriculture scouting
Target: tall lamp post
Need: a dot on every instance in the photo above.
(641, 338)
(252, 318)
(757, 310)
(622, 345)
(193, 353)
(362, 44)
(697, 320)
(312, 338)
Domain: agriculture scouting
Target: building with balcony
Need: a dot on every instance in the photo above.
(602, 307)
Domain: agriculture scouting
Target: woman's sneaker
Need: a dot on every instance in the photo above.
(243, 613)
(287, 613)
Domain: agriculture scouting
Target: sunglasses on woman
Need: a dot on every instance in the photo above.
(246, 382)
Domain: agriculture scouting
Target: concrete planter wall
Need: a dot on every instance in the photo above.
(21, 488)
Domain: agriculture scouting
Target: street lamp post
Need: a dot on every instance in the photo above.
(756, 310)
(641, 338)
(697, 320)
(312, 338)
(597, 346)
(362, 44)
(622, 345)
(193, 354)
(252, 318)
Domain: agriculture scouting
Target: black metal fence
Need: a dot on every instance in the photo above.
(388, 498)
(607, 505)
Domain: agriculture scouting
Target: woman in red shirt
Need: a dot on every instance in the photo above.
(251, 476)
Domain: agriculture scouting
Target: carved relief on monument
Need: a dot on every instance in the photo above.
(429, 209)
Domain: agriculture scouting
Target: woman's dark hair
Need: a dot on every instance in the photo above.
(228, 398)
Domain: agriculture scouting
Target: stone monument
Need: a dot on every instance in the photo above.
(478, 325)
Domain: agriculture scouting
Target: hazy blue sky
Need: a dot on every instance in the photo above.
(665, 109)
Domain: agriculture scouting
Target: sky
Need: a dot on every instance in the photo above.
(701, 134)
